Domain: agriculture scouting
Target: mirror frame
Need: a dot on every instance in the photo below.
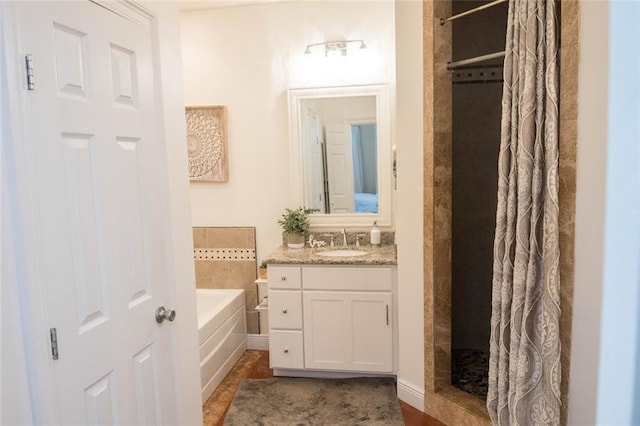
(384, 147)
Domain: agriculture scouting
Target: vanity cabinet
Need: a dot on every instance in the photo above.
(339, 318)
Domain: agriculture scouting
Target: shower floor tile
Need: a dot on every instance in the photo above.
(470, 371)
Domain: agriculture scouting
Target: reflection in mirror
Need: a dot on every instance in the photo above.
(339, 149)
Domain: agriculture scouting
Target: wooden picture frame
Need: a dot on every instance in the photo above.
(207, 143)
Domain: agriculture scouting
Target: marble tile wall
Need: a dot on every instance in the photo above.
(442, 400)
(569, 59)
(226, 258)
(442, 179)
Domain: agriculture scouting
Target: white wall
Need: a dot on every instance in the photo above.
(409, 211)
(589, 227)
(604, 379)
(590, 201)
(619, 369)
(246, 57)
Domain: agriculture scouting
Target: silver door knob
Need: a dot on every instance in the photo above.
(165, 314)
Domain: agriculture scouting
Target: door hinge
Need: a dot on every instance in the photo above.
(53, 333)
(28, 59)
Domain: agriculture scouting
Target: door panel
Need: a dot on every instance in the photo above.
(91, 290)
(146, 387)
(123, 75)
(99, 399)
(71, 61)
(98, 171)
(339, 169)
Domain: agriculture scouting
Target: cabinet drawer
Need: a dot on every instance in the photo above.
(368, 278)
(285, 309)
(284, 277)
(285, 349)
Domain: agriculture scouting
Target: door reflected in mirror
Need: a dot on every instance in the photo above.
(339, 149)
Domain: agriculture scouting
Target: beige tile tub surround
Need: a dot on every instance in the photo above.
(226, 258)
(442, 401)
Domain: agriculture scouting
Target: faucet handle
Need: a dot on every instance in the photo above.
(358, 239)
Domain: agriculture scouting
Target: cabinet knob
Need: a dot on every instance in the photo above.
(286, 351)
(284, 311)
(283, 278)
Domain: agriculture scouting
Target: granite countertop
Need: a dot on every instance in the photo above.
(382, 255)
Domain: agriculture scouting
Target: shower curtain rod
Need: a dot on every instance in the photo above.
(482, 58)
(470, 11)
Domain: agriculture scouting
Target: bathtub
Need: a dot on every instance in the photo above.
(222, 334)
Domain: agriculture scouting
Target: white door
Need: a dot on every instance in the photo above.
(339, 169)
(348, 331)
(98, 179)
(314, 165)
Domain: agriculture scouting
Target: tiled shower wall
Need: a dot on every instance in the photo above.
(226, 258)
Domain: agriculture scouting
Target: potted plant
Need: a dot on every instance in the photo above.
(295, 223)
(262, 270)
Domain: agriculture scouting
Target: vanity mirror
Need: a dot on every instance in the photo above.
(340, 149)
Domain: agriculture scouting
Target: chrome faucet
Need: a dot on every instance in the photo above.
(344, 237)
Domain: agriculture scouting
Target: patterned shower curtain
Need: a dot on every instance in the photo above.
(524, 371)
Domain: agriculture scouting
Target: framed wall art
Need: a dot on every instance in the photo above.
(207, 143)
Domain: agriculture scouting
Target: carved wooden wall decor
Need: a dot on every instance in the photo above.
(207, 143)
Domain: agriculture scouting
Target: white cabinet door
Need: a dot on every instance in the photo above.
(349, 331)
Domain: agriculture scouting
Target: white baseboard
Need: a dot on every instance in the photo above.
(258, 342)
(317, 374)
(410, 394)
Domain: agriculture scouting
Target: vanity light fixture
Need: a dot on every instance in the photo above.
(335, 48)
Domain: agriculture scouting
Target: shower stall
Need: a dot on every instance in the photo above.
(478, 42)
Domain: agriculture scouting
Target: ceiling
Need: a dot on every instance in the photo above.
(186, 5)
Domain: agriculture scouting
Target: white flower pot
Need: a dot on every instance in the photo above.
(295, 241)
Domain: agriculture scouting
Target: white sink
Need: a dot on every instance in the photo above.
(342, 253)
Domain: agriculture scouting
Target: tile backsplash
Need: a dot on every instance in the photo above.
(226, 258)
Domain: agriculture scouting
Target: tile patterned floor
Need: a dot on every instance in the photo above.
(470, 371)
(255, 365)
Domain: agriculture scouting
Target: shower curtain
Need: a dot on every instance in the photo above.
(524, 370)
